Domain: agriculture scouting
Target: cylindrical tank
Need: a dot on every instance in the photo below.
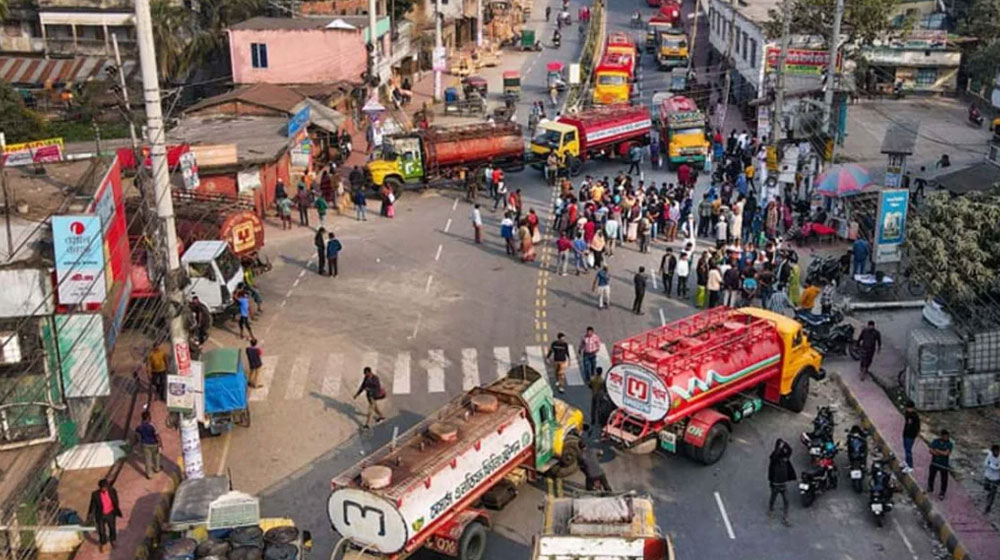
(473, 145)
(612, 124)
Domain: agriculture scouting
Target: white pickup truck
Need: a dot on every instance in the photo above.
(610, 528)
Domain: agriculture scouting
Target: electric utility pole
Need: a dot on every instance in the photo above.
(728, 64)
(372, 35)
(778, 127)
(479, 23)
(190, 441)
(125, 98)
(438, 58)
(831, 72)
(694, 35)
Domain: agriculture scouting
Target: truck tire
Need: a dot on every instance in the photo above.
(472, 545)
(796, 400)
(394, 185)
(569, 461)
(575, 165)
(715, 445)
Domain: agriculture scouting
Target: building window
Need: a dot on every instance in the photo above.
(746, 39)
(926, 76)
(11, 344)
(258, 55)
(753, 53)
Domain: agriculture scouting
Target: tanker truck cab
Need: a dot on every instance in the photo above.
(421, 489)
(213, 272)
(400, 159)
(801, 361)
(556, 136)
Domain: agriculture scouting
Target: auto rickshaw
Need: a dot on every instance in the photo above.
(224, 391)
(512, 83)
(477, 83)
(555, 76)
(528, 42)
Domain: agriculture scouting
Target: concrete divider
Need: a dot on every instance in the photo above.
(591, 53)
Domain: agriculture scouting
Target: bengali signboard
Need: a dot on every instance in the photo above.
(84, 362)
(79, 255)
(39, 151)
(638, 391)
(799, 62)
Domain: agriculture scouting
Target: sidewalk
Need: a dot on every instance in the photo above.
(144, 503)
(958, 521)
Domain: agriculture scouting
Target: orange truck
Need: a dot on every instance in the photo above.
(684, 386)
(613, 79)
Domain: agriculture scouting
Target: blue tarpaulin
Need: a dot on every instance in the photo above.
(225, 382)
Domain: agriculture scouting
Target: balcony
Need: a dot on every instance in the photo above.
(81, 47)
(21, 44)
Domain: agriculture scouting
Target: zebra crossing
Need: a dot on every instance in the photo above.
(337, 375)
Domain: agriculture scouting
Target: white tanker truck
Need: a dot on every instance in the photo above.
(422, 490)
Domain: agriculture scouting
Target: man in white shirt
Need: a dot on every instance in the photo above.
(476, 217)
(991, 475)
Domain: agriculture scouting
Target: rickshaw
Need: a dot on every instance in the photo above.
(512, 83)
(477, 83)
(555, 75)
(472, 104)
(528, 42)
(224, 391)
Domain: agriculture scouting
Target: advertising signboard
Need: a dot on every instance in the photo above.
(84, 368)
(298, 121)
(799, 62)
(189, 170)
(892, 207)
(39, 151)
(79, 255)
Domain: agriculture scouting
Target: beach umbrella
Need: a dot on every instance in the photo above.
(843, 180)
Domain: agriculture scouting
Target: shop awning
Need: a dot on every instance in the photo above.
(324, 117)
(33, 72)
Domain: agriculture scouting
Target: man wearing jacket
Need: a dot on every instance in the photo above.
(103, 510)
(779, 472)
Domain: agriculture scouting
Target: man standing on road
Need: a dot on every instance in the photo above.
(372, 388)
(779, 472)
(333, 248)
(303, 203)
(507, 233)
(254, 363)
(602, 285)
(859, 253)
(991, 475)
(870, 342)
(476, 217)
(563, 248)
(360, 205)
(580, 249)
(668, 264)
(151, 444)
(639, 280)
(940, 453)
(320, 242)
(104, 510)
(634, 158)
(158, 371)
(593, 473)
(559, 355)
(589, 346)
(911, 430)
(243, 300)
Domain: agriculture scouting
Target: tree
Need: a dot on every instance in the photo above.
(981, 19)
(951, 244)
(402, 7)
(173, 34)
(19, 123)
(864, 20)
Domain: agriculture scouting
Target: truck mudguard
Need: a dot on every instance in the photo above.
(700, 423)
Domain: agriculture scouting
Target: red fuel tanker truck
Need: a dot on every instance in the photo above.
(683, 386)
(422, 490)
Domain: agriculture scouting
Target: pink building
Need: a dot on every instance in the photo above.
(306, 50)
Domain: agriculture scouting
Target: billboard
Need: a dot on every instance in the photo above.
(799, 62)
(39, 151)
(892, 207)
(84, 369)
(79, 255)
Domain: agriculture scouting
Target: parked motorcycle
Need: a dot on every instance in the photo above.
(837, 341)
(822, 478)
(823, 270)
(815, 323)
(857, 456)
(821, 434)
(881, 489)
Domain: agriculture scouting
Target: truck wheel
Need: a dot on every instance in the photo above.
(575, 166)
(472, 545)
(715, 445)
(569, 460)
(394, 185)
(796, 400)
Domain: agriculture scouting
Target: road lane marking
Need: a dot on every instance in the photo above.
(267, 367)
(401, 374)
(334, 375)
(297, 378)
(427, 288)
(470, 368)
(295, 284)
(663, 318)
(288, 294)
(725, 517)
(302, 273)
(603, 359)
(447, 225)
(574, 376)
(435, 371)
(906, 541)
(501, 357)
(536, 358)
(416, 327)
(652, 277)
(454, 205)
(437, 256)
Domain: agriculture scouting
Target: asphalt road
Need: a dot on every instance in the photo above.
(434, 313)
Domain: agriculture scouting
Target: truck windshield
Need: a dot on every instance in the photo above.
(229, 265)
(549, 138)
(689, 131)
(674, 44)
(610, 80)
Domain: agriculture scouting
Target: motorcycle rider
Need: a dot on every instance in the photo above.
(779, 472)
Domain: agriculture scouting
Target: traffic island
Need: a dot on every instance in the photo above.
(956, 521)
